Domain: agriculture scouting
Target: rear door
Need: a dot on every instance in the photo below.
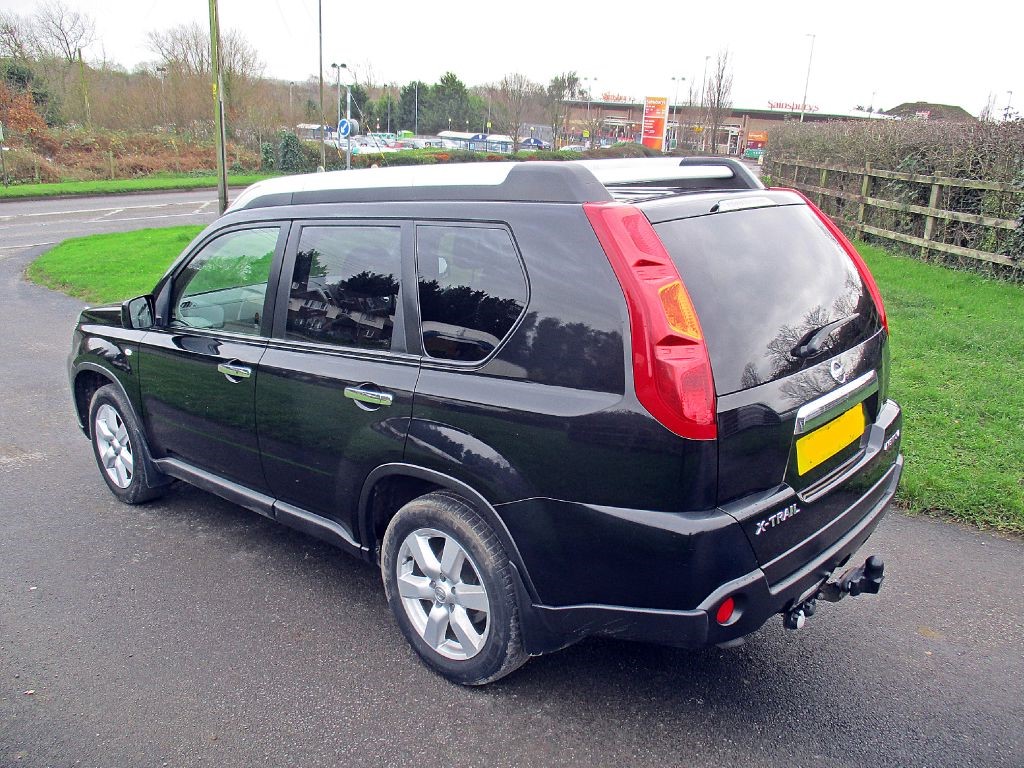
(335, 391)
(792, 331)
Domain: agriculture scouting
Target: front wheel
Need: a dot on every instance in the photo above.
(117, 443)
(450, 586)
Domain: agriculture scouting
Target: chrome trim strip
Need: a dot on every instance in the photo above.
(824, 409)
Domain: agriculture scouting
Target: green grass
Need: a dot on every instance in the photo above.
(957, 364)
(109, 268)
(958, 371)
(117, 186)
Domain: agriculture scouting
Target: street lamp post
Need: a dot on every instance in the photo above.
(675, 106)
(589, 80)
(416, 110)
(807, 80)
(337, 71)
(290, 108)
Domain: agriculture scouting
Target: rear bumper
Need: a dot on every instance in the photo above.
(547, 628)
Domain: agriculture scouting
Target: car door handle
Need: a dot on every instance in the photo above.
(234, 372)
(363, 394)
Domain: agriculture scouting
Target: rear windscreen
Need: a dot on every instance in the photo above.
(763, 281)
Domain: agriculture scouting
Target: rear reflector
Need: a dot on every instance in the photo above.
(671, 368)
(865, 274)
(725, 611)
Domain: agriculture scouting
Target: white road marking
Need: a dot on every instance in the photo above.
(100, 210)
(158, 216)
(26, 245)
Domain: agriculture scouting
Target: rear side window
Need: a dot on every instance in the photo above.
(345, 285)
(472, 289)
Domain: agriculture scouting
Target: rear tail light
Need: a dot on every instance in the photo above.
(671, 367)
(865, 273)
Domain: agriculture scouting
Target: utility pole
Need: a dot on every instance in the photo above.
(416, 110)
(807, 81)
(348, 118)
(162, 71)
(85, 88)
(3, 160)
(218, 108)
(323, 130)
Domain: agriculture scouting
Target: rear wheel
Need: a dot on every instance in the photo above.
(450, 586)
(117, 443)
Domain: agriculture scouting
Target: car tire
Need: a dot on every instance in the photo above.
(120, 449)
(451, 588)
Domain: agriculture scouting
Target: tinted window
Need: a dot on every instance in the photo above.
(472, 289)
(224, 285)
(762, 281)
(345, 286)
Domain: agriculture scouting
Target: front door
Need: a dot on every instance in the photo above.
(334, 395)
(198, 371)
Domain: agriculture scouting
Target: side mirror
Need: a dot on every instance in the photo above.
(138, 313)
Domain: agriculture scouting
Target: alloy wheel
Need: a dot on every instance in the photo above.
(442, 593)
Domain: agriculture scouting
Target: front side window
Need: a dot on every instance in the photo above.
(344, 288)
(223, 287)
(472, 289)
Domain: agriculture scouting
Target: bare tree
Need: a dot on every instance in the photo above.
(61, 33)
(561, 88)
(186, 48)
(516, 96)
(718, 100)
(15, 37)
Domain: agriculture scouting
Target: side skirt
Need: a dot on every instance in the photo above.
(309, 523)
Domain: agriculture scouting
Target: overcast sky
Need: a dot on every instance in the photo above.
(892, 51)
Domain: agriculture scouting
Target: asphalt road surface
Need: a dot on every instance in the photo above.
(190, 632)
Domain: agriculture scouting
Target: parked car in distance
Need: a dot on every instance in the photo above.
(572, 148)
(643, 399)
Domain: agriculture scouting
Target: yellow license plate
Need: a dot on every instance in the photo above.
(825, 442)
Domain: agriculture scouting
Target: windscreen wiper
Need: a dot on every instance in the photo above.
(814, 340)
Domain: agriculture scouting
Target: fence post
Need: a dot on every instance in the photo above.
(865, 190)
(929, 222)
(822, 179)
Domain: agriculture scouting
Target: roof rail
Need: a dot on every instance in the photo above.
(670, 174)
(577, 181)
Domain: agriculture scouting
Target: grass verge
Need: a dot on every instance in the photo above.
(117, 186)
(108, 268)
(957, 364)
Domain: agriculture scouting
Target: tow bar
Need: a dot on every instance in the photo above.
(864, 579)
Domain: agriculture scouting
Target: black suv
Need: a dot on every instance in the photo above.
(643, 399)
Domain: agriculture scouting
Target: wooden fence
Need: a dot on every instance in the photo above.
(963, 218)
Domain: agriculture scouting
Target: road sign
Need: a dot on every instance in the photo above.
(344, 128)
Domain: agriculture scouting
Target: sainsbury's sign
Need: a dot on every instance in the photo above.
(793, 106)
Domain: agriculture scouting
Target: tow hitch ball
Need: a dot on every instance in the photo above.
(864, 579)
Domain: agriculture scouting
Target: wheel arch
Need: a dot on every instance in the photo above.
(388, 487)
(88, 378)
